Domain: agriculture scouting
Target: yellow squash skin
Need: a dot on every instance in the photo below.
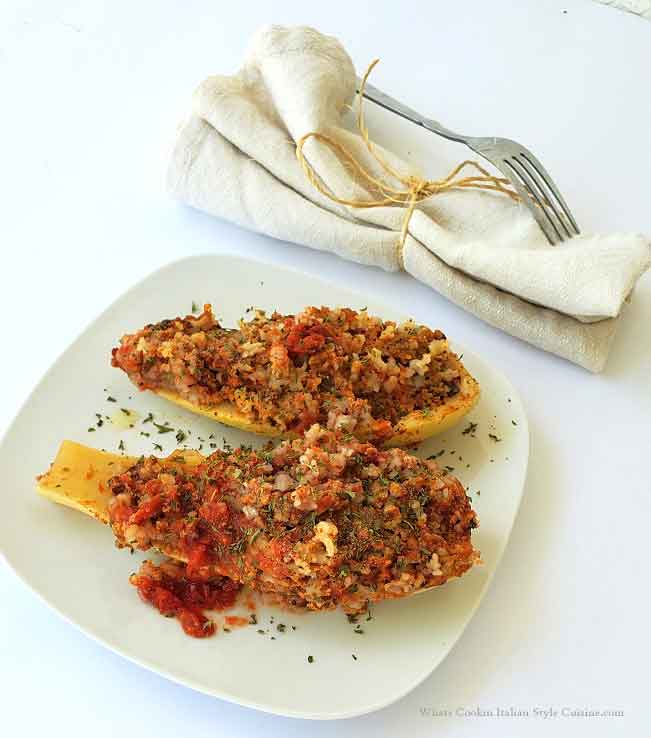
(225, 413)
(413, 428)
(78, 478)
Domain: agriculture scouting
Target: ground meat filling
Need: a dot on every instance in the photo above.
(341, 368)
(318, 522)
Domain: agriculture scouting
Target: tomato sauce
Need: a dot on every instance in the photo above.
(236, 621)
(174, 593)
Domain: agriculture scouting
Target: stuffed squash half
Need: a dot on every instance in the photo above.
(391, 384)
(319, 522)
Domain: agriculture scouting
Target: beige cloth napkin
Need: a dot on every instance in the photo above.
(235, 157)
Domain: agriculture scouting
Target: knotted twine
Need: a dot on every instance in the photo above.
(414, 189)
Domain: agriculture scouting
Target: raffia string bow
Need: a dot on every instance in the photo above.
(414, 189)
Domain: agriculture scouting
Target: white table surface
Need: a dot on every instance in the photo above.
(91, 93)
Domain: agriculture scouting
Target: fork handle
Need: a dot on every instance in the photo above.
(390, 103)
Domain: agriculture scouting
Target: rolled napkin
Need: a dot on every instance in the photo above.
(235, 157)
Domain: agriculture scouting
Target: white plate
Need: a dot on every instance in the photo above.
(69, 560)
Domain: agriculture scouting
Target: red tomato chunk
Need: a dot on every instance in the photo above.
(174, 594)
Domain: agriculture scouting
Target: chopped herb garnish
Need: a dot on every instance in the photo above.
(262, 632)
(158, 447)
(310, 659)
(469, 429)
(91, 430)
(111, 399)
(513, 422)
(125, 411)
(436, 456)
(354, 657)
(121, 446)
(358, 630)
(495, 438)
(195, 307)
(149, 418)
(146, 435)
(163, 428)
(281, 627)
(253, 619)
(251, 539)
(180, 436)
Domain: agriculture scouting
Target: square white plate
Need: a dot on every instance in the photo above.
(69, 560)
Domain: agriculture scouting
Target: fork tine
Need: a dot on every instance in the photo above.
(540, 213)
(544, 175)
(545, 194)
(528, 201)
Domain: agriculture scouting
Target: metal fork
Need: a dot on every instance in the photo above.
(527, 175)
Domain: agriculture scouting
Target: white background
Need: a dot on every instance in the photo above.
(90, 96)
